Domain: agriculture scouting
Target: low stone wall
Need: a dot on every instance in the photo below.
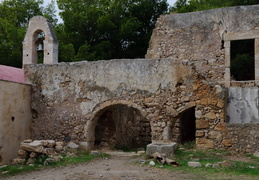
(242, 138)
(15, 118)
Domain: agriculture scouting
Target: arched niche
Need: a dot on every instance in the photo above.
(118, 125)
(37, 25)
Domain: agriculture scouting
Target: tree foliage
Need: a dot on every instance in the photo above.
(106, 29)
(93, 29)
(182, 6)
(14, 18)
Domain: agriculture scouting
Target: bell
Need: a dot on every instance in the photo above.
(40, 47)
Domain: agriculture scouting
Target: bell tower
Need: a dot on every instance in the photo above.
(40, 42)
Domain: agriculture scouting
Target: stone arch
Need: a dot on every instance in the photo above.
(119, 124)
(39, 24)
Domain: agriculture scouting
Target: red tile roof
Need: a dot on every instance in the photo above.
(11, 74)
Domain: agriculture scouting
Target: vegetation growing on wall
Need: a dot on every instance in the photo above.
(182, 6)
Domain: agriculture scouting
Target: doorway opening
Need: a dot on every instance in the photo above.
(187, 126)
(122, 127)
(242, 66)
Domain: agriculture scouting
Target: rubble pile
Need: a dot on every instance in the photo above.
(43, 151)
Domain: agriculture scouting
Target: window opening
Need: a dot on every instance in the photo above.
(242, 57)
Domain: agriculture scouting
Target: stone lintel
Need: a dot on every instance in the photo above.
(231, 36)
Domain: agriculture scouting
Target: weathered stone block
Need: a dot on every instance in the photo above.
(18, 161)
(35, 146)
(22, 154)
(163, 148)
(204, 101)
(49, 143)
(148, 100)
(59, 148)
(221, 104)
(49, 151)
(194, 164)
(210, 115)
(215, 135)
(248, 99)
(198, 114)
(219, 127)
(202, 124)
(202, 143)
(33, 155)
(227, 142)
(85, 145)
(72, 145)
(199, 133)
(256, 154)
(27, 141)
(171, 111)
(59, 143)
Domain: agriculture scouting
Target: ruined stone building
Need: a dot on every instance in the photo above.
(186, 89)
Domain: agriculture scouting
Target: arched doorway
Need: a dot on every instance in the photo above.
(122, 127)
(187, 125)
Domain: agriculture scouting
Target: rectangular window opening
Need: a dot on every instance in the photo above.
(242, 56)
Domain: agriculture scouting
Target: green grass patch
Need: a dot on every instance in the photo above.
(185, 153)
(253, 157)
(78, 158)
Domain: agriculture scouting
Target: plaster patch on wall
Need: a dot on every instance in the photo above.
(242, 105)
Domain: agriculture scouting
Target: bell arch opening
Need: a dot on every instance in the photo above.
(187, 125)
(39, 37)
(121, 127)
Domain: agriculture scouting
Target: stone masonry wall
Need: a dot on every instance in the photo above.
(68, 99)
(203, 37)
(242, 138)
(65, 95)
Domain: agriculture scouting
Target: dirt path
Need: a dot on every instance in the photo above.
(113, 168)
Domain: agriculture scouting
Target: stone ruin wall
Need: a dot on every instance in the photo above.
(69, 98)
(203, 38)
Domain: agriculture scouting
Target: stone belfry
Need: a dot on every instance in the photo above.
(40, 39)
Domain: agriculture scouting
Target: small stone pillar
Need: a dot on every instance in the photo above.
(163, 148)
